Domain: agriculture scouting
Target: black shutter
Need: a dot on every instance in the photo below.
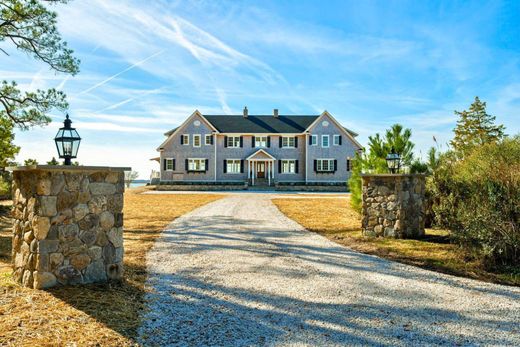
(310, 140)
(225, 166)
(241, 141)
(182, 139)
(186, 164)
(315, 165)
(280, 142)
(340, 140)
(173, 164)
(225, 141)
(279, 166)
(212, 139)
(241, 166)
(252, 141)
(295, 142)
(296, 166)
(206, 166)
(335, 165)
(164, 164)
(268, 141)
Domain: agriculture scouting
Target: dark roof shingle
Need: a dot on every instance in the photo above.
(260, 124)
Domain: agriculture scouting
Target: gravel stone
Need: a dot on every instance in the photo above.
(237, 272)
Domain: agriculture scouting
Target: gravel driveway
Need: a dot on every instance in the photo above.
(238, 272)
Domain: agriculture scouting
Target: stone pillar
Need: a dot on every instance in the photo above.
(393, 205)
(68, 224)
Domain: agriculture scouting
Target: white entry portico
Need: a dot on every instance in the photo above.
(260, 165)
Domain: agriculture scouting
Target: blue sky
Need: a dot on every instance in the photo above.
(145, 66)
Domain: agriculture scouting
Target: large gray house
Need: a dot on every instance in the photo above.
(258, 149)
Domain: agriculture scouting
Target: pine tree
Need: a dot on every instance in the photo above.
(475, 128)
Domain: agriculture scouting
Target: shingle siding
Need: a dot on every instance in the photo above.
(339, 153)
(172, 148)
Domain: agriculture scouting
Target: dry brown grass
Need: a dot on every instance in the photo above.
(96, 314)
(334, 219)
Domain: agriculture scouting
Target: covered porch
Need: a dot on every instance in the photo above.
(260, 168)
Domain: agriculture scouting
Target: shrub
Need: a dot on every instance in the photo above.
(478, 199)
(5, 187)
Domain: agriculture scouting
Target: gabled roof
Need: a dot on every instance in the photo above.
(261, 154)
(257, 124)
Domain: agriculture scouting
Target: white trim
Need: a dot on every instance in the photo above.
(232, 137)
(334, 137)
(289, 137)
(329, 160)
(239, 164)
(180, 127)
(306, 156)
(215, 145)
(200, 139)
(167, 164)
(317, 139)
(288, 173)
(341, 128)
(254, 139)
(184, 142)
(328, 141)
(206, 136)
(263, 159)
(203, 160)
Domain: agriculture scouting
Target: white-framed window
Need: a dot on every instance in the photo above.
(169, 164)
(196, 164)
(288, 166)
(288, 142)
(185, 139)
(314, 140)
(325, 141)
(233, 166)
(324, 165)
(208, 139)
(233, 141)
(196, 140)
(336, 140)
(260, 141)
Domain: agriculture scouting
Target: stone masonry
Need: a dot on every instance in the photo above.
(68, 225)
(393, 205)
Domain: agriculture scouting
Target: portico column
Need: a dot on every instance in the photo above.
(269, 172)
(248, 170)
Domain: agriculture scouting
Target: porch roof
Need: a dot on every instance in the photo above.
(261, 154)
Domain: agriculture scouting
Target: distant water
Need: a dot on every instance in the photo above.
(137, 184)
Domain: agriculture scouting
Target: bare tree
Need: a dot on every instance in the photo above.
(130, 176)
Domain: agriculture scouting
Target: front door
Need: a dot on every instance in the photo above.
(260, 170)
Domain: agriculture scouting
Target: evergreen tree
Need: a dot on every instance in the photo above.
(31, 27)
(475, 128)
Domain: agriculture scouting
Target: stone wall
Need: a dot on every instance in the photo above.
(393, 205)
(68, 225)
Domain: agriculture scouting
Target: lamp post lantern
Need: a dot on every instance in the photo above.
(393, 161)
(67, 141)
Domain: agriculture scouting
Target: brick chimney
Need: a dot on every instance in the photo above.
(275, 113)
(246, 112)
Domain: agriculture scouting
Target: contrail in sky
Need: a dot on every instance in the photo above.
(119, 73)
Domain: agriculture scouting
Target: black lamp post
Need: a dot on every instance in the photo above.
(393, 161)
(67, 141)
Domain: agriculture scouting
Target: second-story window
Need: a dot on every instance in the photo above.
(260, 141)
(196, 140)
(336, 140)
(185, 139)
(313, 140)
(288, 142)
(325, 141)
(209, 139)
(233, 141)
